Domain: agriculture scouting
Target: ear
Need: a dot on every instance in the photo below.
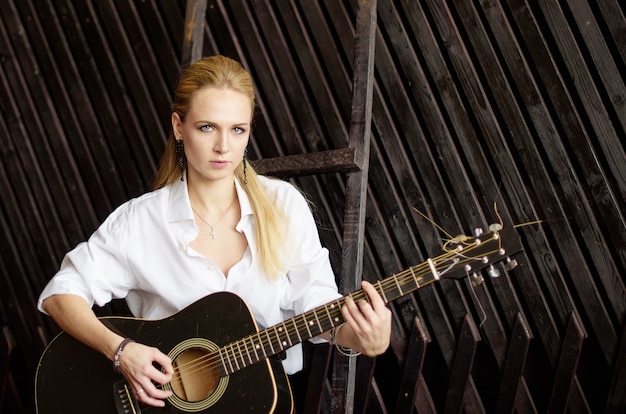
(177, 126)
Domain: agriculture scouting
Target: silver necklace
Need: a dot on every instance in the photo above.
(212, 226)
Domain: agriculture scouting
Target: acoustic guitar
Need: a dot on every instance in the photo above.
(223, 363)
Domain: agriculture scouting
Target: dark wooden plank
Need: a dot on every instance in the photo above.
(129, 86)
(616, 399)
(67, 149)
(365, 390)
(303, 31)
(116, 116)
(321, 162)
(193, 38)
(586, 237)
(307, 126)
(461, 370)
(344, 369)
(163, 43)
(9, 393)
(317, 377)
(566, 370)
(412, 371)
(511, 384)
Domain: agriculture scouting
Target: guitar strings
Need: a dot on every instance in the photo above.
(238, 354)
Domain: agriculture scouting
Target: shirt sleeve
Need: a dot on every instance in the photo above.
(310, 279)
(97, 269)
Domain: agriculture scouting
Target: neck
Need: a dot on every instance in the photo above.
(211, 196)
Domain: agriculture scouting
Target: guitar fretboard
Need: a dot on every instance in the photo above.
(460, 258)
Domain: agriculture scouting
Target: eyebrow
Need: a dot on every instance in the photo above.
(204, 122)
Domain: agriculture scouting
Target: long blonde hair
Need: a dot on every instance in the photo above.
(270, 222)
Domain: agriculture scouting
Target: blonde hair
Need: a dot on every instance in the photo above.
(270, 222)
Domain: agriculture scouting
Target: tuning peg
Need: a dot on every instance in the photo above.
(477, 279)
(478, 232)
(493, 272)
(495, 227)
(510, 264)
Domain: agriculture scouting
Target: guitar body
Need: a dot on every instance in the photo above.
(73, 378)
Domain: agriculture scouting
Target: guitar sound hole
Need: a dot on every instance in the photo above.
(195, 377)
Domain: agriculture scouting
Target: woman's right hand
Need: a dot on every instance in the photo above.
(139, 365)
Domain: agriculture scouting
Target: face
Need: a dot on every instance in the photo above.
(215, 132)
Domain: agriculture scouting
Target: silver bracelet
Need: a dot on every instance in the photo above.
(349, 352)
(118, 354)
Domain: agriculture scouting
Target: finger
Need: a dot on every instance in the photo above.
(165, 362)
(376, 299)
(152, 395)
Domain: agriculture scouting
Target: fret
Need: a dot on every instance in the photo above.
(317, 320)
(382, 291)
(306, 325)
(417, 284)
(224, 367)
(269, 341)
(295, 325)
(229, 359)
(334, 321)
(245, 344)
(395, 279)
(235, 355)
(281, 329)
(255, 346)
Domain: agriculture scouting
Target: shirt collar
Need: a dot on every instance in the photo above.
(180, 207)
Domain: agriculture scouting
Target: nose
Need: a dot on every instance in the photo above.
(222, 144)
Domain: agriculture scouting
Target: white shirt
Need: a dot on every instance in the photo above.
(141, 253)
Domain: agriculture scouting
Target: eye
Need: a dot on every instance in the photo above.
(239, 130)
(206, 128)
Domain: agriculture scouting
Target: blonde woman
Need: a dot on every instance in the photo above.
(211, 224)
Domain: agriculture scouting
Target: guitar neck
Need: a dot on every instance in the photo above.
(461, 256)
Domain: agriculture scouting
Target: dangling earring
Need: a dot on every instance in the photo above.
(180, 151)
(245, 166)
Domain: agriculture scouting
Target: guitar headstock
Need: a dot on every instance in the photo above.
(465, 255)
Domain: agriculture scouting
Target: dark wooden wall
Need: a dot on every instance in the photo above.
(509, 111)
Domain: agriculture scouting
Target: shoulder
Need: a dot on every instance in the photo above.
(150, 204)
(283, 191)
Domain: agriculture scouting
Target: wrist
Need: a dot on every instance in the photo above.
(343, 350)
(118, 353)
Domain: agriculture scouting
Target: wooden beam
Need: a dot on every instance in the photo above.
(316, 381)
(512, 376)
(566, 370)
(461, 370)
(339, 160)
(193, 38)
(413, 362)
(616, 401)
(344, 369)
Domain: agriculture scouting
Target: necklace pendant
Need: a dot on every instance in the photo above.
(213, 233)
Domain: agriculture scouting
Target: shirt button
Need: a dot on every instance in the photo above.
(181, 247)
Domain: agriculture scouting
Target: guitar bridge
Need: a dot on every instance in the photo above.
(124, 400)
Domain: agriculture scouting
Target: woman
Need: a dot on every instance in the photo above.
(210, 224)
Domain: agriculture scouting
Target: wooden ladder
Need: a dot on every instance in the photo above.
(353, 160)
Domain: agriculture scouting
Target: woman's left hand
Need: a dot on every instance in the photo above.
(369, 323)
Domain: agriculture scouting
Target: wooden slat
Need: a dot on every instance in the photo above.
(566, 371)
(193, 38)
(461, 371)
(9, 394)
(339, 160)
(409, 383)
(512, 383)
(616, 399)
(317, 377)
(344, 369)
